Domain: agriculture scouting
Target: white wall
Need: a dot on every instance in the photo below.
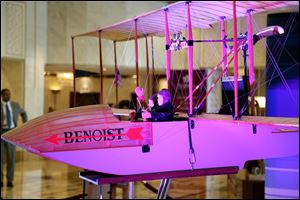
(24, 37)
(13, 29)
(36, 56)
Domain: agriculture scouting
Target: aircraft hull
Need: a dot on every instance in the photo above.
(217, 142)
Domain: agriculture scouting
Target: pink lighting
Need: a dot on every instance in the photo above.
(190, 58)
(168, 52)
(235, 61)
(92, 138)
(223, 34)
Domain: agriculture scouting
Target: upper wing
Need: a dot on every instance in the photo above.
(203, 15)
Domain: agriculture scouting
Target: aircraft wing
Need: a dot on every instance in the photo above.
(272, 121)
(203, 15)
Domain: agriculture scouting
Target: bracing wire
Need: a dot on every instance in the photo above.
(123, 54)
(274, 62)
(276, 46)
(279, 73)
(266, 82)
(272, 59)
(213, 70)
(213, 46)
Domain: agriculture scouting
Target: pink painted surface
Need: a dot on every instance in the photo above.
(168, 52)
(233, 142)
(235, 63)
(86, 127)
(250, 51)
(110, 135)
(190, 58)
(203, 14)
(218, 141)
(223, 34)
(232, 146)
(136, 53)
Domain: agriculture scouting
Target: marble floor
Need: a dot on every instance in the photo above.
(40, 178)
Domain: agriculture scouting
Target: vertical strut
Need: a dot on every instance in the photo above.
(190, 58)
(147, 68)
(153, 74)
(168, 52)
(235, 61)
(251, 60)
(116, 68)
(136, 53)
(74, 73)
(101, 69)
(223, 35)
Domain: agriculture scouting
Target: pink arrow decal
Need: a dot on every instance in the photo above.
(53, 139)
(132, 134)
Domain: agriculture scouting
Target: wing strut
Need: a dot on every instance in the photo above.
(136, 53)
(101, 69)
(241, 43)
(251, 59)
(190, 57)
(116, 68)
(147, 67)
(74, 77)
(223, 37)
(235, 61)
(153, 74)
(168, 52)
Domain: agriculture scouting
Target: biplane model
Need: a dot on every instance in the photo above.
(91, 137)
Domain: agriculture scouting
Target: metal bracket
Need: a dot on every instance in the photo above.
(192, 124)
(254, 128)
(146, 148)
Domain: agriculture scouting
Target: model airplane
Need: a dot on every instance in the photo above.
(91, 137)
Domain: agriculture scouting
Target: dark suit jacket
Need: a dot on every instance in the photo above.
(16, 110)
(162, 113)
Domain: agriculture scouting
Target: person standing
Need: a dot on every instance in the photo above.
(10, 112)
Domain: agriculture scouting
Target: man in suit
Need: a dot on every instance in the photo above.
(10, 112)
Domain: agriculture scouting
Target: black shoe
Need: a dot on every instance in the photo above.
(10, 184)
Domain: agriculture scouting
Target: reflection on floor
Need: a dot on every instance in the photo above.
(40, 178)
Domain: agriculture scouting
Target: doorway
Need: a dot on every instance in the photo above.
(84, 99)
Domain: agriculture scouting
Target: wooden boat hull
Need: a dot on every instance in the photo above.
(218, 141)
